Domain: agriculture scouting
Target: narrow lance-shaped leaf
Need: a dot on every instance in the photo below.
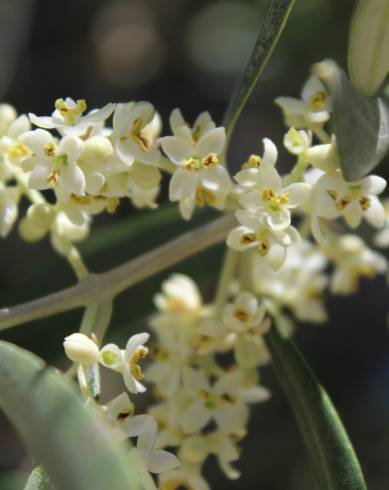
(368, 53)
(335, 463)
(270, 29)
(361, 123)
(61, 432)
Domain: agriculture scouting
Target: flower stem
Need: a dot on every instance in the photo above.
(227, 274)
(96, 287)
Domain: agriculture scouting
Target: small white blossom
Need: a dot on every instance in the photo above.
(353, 260)
(200, 178)
(133, 126)
(244, 314)
(296, 141)
(68, 117)
(179, 294)
(225, 402)
(333, 197)
(255, 234)
(54, 165)
(312, 109)
(121, 411)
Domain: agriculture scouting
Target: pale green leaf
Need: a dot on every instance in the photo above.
(270, 29)
(334, 461)
(61, 432)
(360, 123)
(368, 53)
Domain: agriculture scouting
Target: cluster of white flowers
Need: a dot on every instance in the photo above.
(201, 407)
(204, 357)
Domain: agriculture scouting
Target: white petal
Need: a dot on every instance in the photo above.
(159, 461)
(235, 236)
(176, 120)
(38, 178)
(36, 140)
(276, 256)
(195, 417)
(375, 214)
(138, 424)
(270, 153)
(100, 115)
(297, 193)
(182, 184)
(42, 121)
(373, 185)
(211, 142)
(72, 147)
(124, 153)
(193, 381)
(94, 183)
(134, 342)
(353, 214)
(177, 149)
(147, 439)
(73, 178)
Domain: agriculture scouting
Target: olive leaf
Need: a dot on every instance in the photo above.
(270, 29)
(334, 461)
(61, 432)
(368, 52)
(361, 123)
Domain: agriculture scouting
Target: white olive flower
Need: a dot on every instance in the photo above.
(312, 109)
(297, 141)
(54, 165)
(68, 117)
(156, 461)
(299, 286)
(255, 234)
(262, 191)
(381, 238)
(333, 197)
(133, 137)
(12, 149)
(353, 260)
(244, 314)
(111, 356)
(180, 294)
(121, 411)
(9, 200)
(199, 179)
(80, 348)
(224, 402)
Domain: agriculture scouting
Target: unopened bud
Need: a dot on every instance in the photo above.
(80, 348)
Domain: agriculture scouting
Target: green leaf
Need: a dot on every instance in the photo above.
(335, 463)
(270, 29)
(361, 123)
(61, 432)
(38, 479)
(368, 53)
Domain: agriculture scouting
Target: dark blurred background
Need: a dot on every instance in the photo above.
(188, 54)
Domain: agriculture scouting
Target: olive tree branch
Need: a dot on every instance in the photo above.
(103, 287)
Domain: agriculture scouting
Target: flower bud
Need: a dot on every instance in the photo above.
(97, 149)
(29, 232)
(80, 348)
(42, 215)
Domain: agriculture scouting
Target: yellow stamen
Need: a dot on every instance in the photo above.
(318, 100)
(18, 151)
(70, 114)
(53, 178)
(343, 203)
(241, 315)
(203, 197)
(274, 201)
(138, 137)
(210, 160)
(254, 161)
(365, 202)
(112, 204)
(135, 369)
(248, 238)
(49, 149)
